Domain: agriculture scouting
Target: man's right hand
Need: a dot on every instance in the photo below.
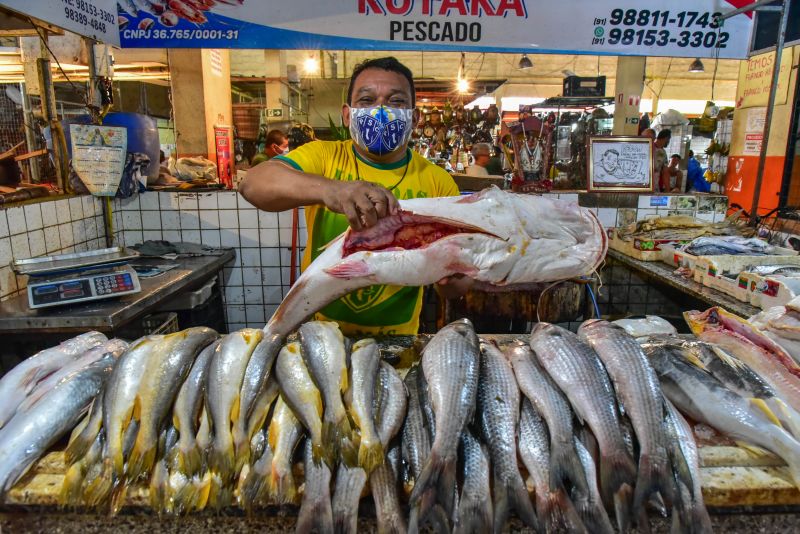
(363, 203)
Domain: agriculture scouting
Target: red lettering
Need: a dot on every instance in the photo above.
(403, 9)
(481, 5)
(367, 6)
(447, 5)
(426, 7)
(515, 6)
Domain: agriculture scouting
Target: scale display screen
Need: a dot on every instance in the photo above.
(82, 289)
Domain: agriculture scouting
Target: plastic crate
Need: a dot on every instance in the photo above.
(584, 86)
(160, 323)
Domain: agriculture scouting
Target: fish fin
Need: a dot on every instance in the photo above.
(157, 493)
(282, 488)
(315, 516)
(594, 516)
(370, 455)
(513, 494)
(329, 445)
(77, 448)
(566, 465)
(654, 476)
(429, 477)
(142, 458)
(188, 460)
(118, 493)
(71, 494)
(616, 471)
(98, 490)
(727, 358)
(220, 494)
(348, 269)
(693, 359)
(621, 501)
(762, 406)
(752, 450)
(447, 490)
(558, 514)
(184, 500)
(473, 516)
(788, 416)
(255, 488)
(642, 522)
(221, 457)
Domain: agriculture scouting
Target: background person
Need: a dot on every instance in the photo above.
(481, 153)
(276, 143)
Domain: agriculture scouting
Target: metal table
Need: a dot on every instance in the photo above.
(665, 274)
(110, 315)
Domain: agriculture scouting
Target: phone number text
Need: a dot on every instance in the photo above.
(695, 39)
(646, 17)
(86, 13)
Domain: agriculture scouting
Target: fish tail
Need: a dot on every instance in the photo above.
(428, 510)
(513, 494)
(71, 493)
(142, 458)
(616, 471)
(594, 516)
(566, 465)
(473, 516)
(96, 492)
(189, 460)
(241, 447)
(621, 501)
(185, 499)
(345, 521)
(558, 513)
(429, 477)
(330, 444)
(255, 489)
(347, 448)
(654, 476)
(788, 416)
(282, 487)
(118, 493)
(219, 493)
(316, 516)
(221, 457)
(158, 488)
(370, 454)
(78, 447)
(700, 520)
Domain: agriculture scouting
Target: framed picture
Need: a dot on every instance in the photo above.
(620, 163)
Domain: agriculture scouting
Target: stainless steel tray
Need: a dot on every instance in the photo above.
(79, 260)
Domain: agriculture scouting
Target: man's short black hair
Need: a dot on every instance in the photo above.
(676, 156)
(274, 137)
(665, 133)
(384, 63)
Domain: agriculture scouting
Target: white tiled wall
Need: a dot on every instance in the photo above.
(50, 227)
(259, 277)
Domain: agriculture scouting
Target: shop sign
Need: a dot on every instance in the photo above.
(754, 131)
(96, 19)
(755, 79)
(680, 28)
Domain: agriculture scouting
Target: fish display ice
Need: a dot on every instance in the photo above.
(497, 238)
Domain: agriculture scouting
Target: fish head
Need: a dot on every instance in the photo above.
(363, 343)
(459, 328)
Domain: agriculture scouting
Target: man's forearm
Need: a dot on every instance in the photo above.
(273, 186)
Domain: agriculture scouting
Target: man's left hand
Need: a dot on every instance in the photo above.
(454, 286)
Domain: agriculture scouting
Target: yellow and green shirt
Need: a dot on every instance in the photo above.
(374, 310)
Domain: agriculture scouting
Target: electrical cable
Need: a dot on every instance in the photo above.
(594, 301)
(44, 42)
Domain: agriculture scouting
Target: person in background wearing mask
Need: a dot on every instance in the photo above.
(481, 152)
(660, 160)
(694, 176)
(357, 182)
(276, 144)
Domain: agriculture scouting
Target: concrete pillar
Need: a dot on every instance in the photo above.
(628, 94)
(201, 99)
(277, 91)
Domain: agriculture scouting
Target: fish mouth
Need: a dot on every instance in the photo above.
(405, 231)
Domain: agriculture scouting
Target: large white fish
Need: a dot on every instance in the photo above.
(498, 238)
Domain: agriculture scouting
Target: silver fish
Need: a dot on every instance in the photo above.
(450, 362)
(325, 357)
(253, 383)
(285, 432)
(24, 439)
(574, 366)
(186, 413)
(225, 376)
(553, 506)
(498, 417)
(390, 406)
(590, 505)
(704, 399)
(157, 390)
(388, 511)
(315, 510)
(16, 384)
(416, 441)
(639, 392)
(302, 396)
(85, 434)
(365, 362)
(475, 502)
(254, 488)
(261, 410)
(550, 403)
(349, 484)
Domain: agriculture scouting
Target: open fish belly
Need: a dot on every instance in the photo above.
(498, 238)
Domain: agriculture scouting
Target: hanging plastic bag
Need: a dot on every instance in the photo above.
(189, 169)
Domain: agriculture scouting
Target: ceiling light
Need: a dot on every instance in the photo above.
(525, 62)
(311, 65)
(697, 66)
(462, 85)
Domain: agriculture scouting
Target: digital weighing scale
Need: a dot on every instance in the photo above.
(79, 277)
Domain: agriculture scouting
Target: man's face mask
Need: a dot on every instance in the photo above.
(381, 129)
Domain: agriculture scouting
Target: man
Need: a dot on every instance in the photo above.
(694, 176)
(675, 174)
(355, 182)
(660, 160)
(649, 132)
(481, 152)
(495, 165)
(275, 144)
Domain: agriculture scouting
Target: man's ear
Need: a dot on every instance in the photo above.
(346, 115)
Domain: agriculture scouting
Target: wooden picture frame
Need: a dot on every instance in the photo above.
(620, 163)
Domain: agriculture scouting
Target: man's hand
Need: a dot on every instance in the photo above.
(363, 203)
(454, 286)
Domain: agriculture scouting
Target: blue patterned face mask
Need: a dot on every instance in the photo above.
(381, 129)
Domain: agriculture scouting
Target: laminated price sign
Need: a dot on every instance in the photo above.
(679, 28)
(91, 18)
(98, 156)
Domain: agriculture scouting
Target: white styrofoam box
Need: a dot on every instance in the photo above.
(33, 217)
(3, 224)
(151, 220)
(36, 242)
(209, 219)
(65, 232)
(227, 200)
(52, 241)
(250, 257)
(229, 238)
(243, 204)
(270, 276)
(79, 232)
(228, 219)
(151, 235)
(170, 220)
(172, 236)
(189, 220)
(129, 204)
(773, 291)
(267, 219)
(16, 220)
(210, 238)
(207, 201)
(251, 276)
(191, 236)
(149, 200)
(90, 206)
(269, 237)
(20, 247)
(249, 237)
(270, 257)
(6, 256)
(236, 313)
(49, 217)
(273, 295)
(62, 211)
(232, 276)
(607, 217)
(248, 219)
(132, 220)
(255, 314)
(187, 201)
(76, 208)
